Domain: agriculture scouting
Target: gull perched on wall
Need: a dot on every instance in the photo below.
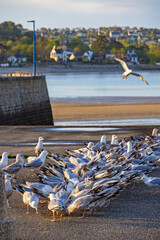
(129, 71)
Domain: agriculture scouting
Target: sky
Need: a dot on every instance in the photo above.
(81, 13)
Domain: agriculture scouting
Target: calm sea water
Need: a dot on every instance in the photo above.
(73, 85)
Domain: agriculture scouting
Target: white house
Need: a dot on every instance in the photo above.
(132, 57)
(14, 58)
(61, 54)
(114, 34)
(88, 55)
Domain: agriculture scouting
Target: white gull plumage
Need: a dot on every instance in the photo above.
(129, 71)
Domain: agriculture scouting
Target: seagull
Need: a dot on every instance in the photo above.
(16, 166)
(129, 71)
(39, 188)
(38, 162)
(8, 187)
(29, 198)
(114, 140)
(39, 147)
(57, 203)
(4, 160)
(150, 181)
(155, 132)
(101, 144)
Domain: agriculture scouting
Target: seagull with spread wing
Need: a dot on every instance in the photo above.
(129, 71)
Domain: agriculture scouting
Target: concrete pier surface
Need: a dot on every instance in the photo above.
(132, 215)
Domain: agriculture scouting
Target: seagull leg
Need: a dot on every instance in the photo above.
(8, 204)
(83, 214)
(61, 216)
(27, 209)
(54, 217)
(14, 178)
(37, 211)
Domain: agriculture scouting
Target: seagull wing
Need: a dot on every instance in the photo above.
(34, 164)
(124, 65)
(13, 168)
(141, 77)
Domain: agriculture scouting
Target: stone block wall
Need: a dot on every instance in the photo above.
(24, 100)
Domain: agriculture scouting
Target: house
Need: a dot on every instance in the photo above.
(88, 55)
(133, 33)
(56, 53)
(131, 56)
(17, 58)
(92, 39)
(61, 54)
(72, 34)
(114, 34)
(81, 33)
(44, 34)
(55, 34)
(109, 56)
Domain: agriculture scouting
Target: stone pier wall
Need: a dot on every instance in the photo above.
(24, 100)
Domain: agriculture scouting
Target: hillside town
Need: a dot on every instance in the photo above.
(98, 45)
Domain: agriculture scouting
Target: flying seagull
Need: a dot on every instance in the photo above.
(129, 71)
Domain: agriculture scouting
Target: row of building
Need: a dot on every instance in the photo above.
(63, 55)
(133, 35)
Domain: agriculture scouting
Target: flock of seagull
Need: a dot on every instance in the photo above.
(86, 179)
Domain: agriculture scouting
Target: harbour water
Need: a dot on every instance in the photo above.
(85, 85)
(104, 88)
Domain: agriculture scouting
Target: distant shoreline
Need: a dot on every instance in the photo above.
(77, 68)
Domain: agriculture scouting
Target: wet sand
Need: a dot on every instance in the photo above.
(87, 111)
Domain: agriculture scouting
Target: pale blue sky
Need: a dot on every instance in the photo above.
(81, 13)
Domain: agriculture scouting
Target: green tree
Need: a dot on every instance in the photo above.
(77, 45)
(100, 46)
(8, 30)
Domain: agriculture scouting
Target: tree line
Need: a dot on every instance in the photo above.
(15, 39)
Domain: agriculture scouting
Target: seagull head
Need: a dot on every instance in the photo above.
(40, 139)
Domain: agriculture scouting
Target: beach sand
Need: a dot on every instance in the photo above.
(85, 111)
(132, 215)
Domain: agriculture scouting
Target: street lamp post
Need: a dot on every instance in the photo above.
(34, 48)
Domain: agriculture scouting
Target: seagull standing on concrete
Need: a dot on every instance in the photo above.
(129, 71)
(4, 160)
(151, 181)
(16, 166)
(38, 162)
(29, 198)
(39, 147)
(8, 186)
